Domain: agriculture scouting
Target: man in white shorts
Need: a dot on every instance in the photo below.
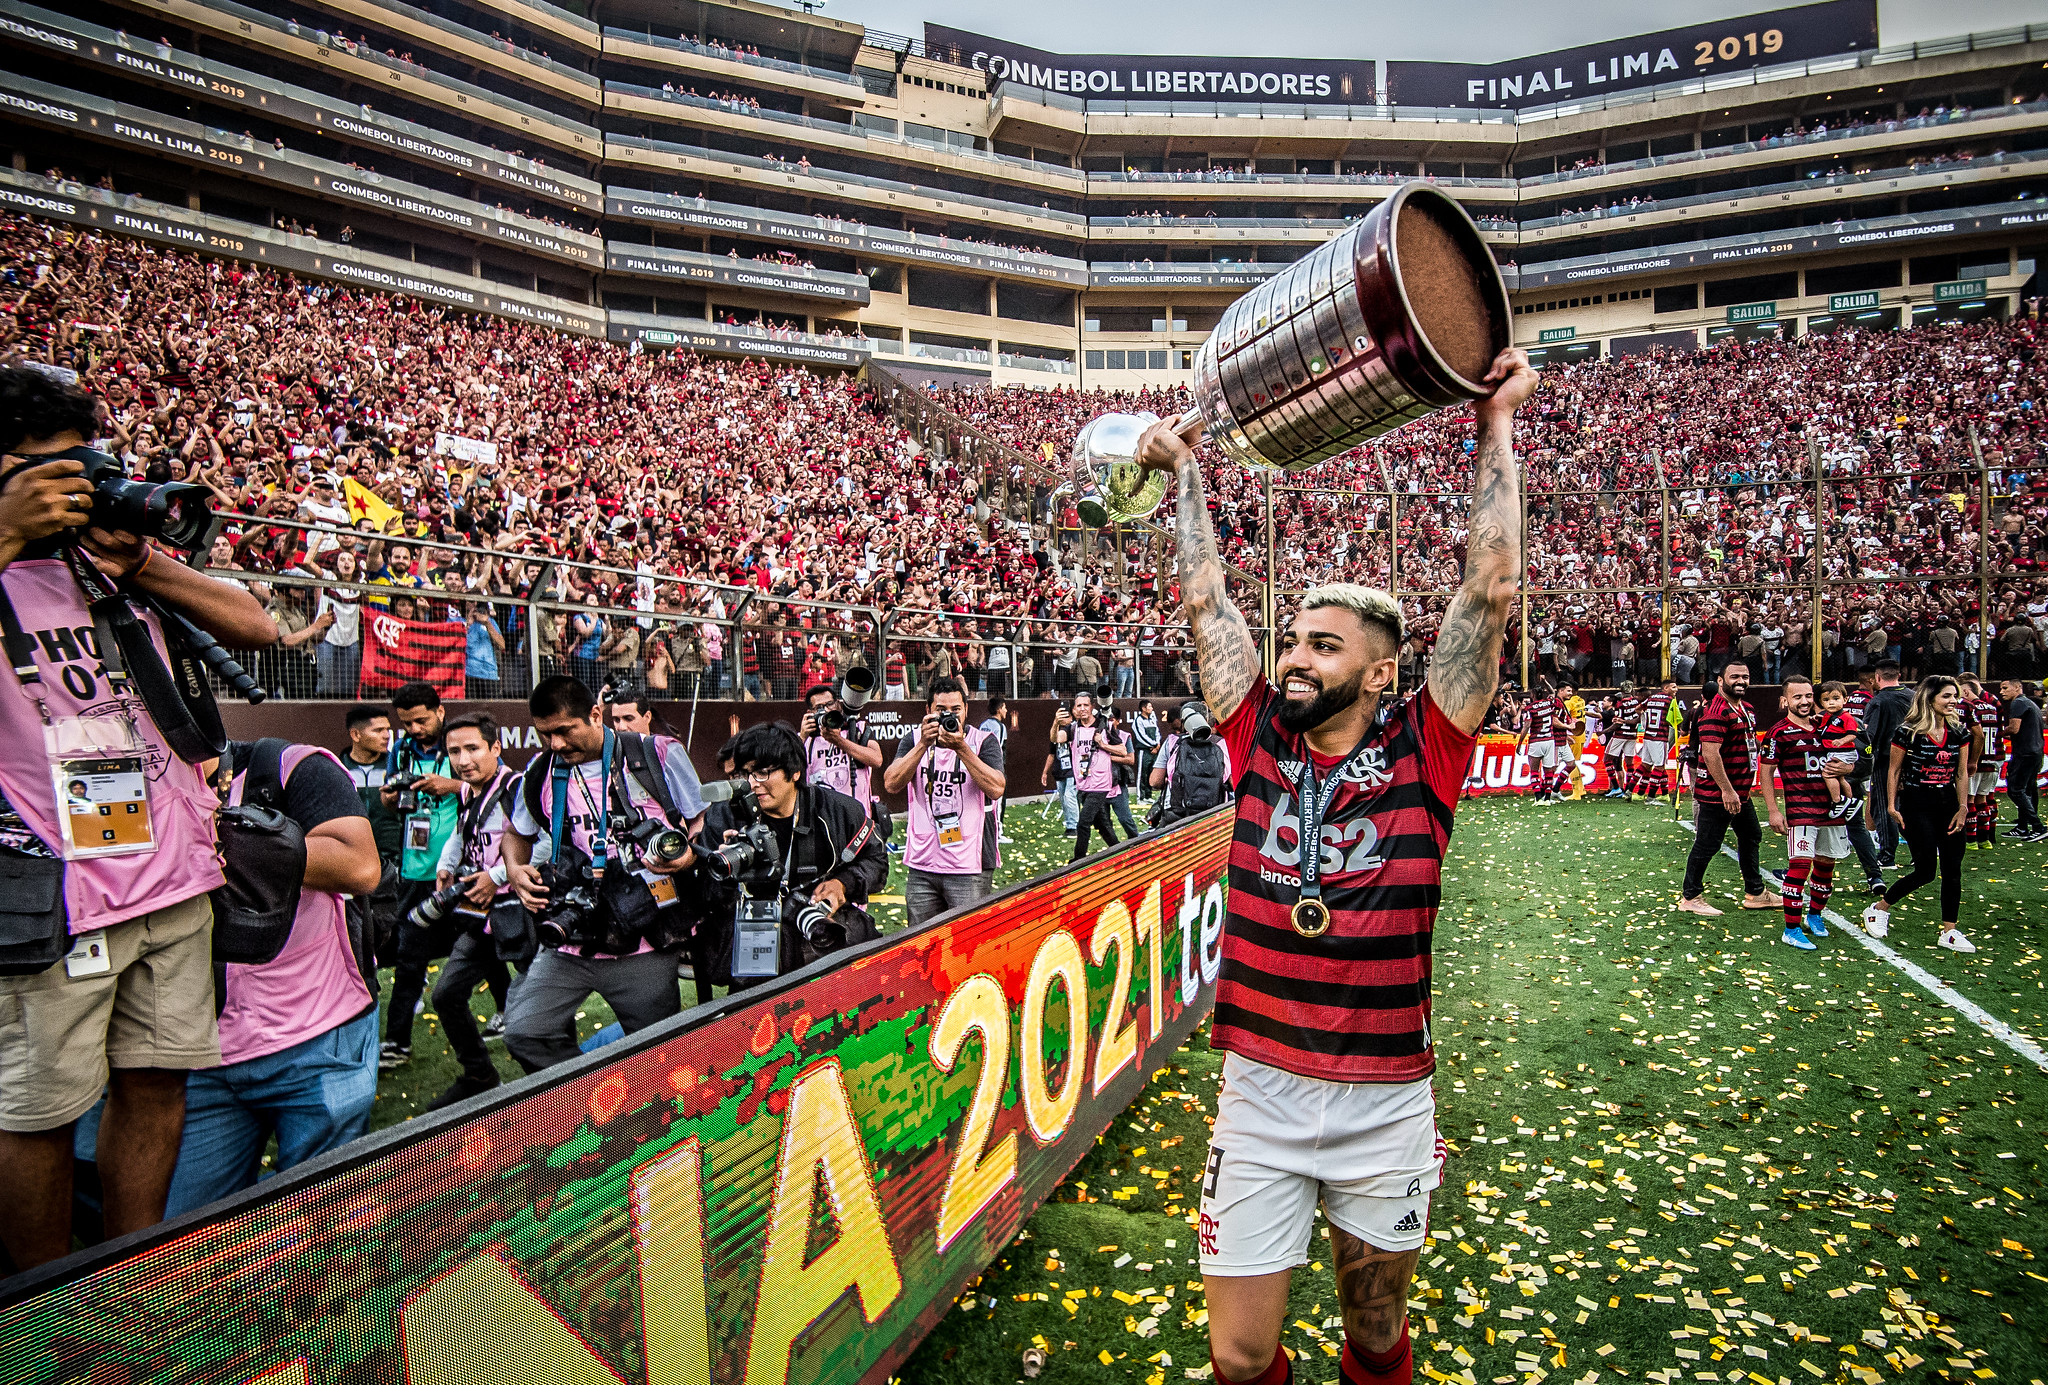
(1323, 1005)
(1812, 843)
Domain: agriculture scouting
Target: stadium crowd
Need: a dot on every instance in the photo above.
(694, 483)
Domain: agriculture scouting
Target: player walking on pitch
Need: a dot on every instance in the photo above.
(1796, 748)
(1323, 1005)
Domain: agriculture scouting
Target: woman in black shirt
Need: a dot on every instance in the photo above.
(1928, 791)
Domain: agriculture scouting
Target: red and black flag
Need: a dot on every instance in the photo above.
(396, 652)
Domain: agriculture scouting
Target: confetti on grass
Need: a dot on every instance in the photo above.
(1681, 1152)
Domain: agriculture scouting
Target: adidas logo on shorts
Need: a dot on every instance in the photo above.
(1411, 1222)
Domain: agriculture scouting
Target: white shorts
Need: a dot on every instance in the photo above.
(1370, 1151)
(1544, 755)
(1983, 783)
(1826, 841)
(1653, 755)
(1841, 761)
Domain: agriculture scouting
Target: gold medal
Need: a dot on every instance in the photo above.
(1311, 918)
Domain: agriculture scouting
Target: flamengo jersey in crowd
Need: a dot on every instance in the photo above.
(1797, 751)
(1352, 1005)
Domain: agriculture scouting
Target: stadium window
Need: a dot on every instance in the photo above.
(1187, 359)
(1155, 360)
(1676, 298)
(1116, 360)
(1092, 360)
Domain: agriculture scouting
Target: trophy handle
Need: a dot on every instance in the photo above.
(1189, 420)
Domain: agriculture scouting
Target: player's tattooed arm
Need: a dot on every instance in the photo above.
(1464, 668)
(1224, 646)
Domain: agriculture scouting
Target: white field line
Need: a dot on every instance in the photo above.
(1948, 995)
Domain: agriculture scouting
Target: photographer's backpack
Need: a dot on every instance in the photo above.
(263, 854)
(1197, 782)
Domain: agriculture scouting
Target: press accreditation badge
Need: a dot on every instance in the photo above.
(99, 770)
(88, 955)
(756, 938)
(949, 829)
(419, 832)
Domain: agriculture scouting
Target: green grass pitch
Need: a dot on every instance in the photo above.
(1681, 1151)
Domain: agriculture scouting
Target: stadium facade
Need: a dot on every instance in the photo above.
(747, 179)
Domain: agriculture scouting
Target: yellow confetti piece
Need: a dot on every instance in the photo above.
(1106, 1359)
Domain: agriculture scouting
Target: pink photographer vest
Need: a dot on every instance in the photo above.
(941, 786)
(106, 890)
(307, 989)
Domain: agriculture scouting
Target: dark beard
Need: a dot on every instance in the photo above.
(1297, 717)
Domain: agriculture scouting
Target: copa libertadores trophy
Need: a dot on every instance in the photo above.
(1398, 317)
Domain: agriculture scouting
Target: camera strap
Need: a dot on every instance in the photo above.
(181, 707)
(601, 806)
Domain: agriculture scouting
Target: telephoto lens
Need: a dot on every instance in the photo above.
(1194, 723)
(815, 922)
(177, 512)
(435, 906)
(657, 842)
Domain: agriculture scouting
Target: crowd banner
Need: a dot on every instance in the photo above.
(793, 1184)
(469, 451)
(399, 651)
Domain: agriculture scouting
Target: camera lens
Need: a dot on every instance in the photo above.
(949, 722)
(730, 861)
(175, 511)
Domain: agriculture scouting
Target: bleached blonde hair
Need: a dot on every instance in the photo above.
(1371, 605)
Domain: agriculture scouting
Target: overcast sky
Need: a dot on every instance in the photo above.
(1464, 31)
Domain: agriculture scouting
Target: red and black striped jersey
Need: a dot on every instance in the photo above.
(1732, 726)
(1540, 716)
(1352, 1005)
(1657, 728)
(1858, 699)
(1988, 712)
(1797, 752)
(1628, 715)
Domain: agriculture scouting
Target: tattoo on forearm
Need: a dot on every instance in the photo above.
(1224, 647)
(1465, 668)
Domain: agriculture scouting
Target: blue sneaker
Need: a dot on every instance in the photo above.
(1798, 939)
(1816, 926)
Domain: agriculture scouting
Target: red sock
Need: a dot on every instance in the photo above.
(1279, 1371)
(1793, 892)
(1394, 1366)
(1820, 884)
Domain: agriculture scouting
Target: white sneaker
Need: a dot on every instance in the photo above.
(1954, 941)
(1877, 921)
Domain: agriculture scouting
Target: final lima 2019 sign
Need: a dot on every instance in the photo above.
(790, 1185)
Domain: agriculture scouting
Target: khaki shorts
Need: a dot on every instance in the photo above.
(1984, 783)
(151, 1008)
